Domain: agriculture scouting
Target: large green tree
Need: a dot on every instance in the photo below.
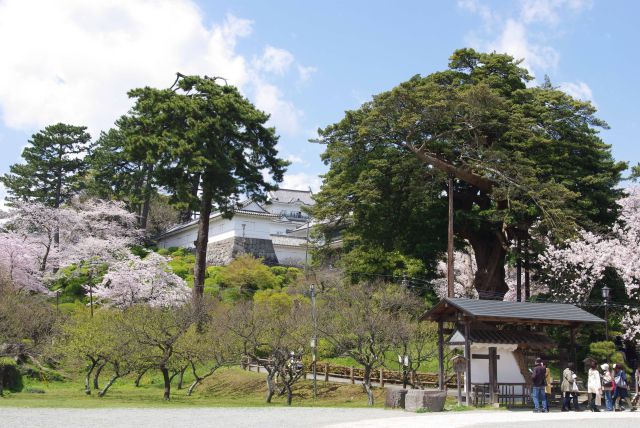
(52, 168)
(525, 160)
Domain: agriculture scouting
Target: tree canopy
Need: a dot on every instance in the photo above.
(527, 161)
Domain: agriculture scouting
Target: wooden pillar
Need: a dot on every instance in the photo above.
(527, 283)
(493, 374)
(467, 355)
(450, 256)
(440, 355)
(381, 377)
(572, 350)
(351, 376)
(326, 372)
(518, 270)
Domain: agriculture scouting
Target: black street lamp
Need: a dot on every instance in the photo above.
(605, 296)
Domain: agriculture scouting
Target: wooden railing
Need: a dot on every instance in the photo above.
(327, 371)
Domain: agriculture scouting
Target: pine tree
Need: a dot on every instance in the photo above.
(53, 166)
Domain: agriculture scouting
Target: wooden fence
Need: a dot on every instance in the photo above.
(325, 371)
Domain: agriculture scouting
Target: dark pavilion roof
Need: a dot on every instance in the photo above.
(504, 336)
(450, 309)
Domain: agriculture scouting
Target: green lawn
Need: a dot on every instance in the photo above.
(227, 388)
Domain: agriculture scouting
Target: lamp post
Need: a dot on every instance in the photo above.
(605, 296)
(314, 340)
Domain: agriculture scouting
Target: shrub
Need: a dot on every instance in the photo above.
(10, 377)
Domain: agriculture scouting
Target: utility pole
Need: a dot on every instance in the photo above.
(518, 269)
(450, 289)
(314, 340)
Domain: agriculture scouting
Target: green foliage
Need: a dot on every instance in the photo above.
(71, 280)
(53, 166)
(247, 274)
(521, 156)
(364, 263)
(606, 352)
(10, 377)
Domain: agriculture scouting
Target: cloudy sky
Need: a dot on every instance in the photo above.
(304, 62)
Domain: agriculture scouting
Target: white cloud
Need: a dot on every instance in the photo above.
(304, 73)
(548, 11)
(275, 60)
(518, 35)
(578, 90)
(515, 41)
(73, 60)
(301, 181)
(294, 159)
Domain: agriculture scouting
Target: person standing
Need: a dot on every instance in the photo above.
(537, 390)
(594, 387)
(620, 387)
(547, 387)
(607, 386)
(566, 387)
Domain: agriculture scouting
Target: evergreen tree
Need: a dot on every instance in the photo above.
(53, 166)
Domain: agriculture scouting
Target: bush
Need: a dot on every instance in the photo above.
(10, 377)
(606, 352)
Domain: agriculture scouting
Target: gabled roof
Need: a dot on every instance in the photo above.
(506, 337)
(289, 196)
(450, 309)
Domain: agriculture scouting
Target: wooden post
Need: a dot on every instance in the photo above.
(440, 355)
(450, 288)
(518, 270)
(467, 355)
(351, 376)
(326, 372)
(381, 377)
(493, 374)
(527, 284)
(572, 350)
(459, 388)
(258, 367)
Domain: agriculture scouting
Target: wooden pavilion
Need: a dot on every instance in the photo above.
(493, 323)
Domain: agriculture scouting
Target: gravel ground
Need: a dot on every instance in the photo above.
(301, 418)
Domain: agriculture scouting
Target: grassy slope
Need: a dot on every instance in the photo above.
(227, 388)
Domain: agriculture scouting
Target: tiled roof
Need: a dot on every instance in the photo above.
(290, 195)
(512, 311)
(289, 241)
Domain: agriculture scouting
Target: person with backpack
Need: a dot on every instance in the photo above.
(538, 396)
(620, 387)
(607, 386)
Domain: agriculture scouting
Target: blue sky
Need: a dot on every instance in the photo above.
(304, 62)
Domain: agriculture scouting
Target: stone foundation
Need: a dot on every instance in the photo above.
(421, 400)
(221, 253)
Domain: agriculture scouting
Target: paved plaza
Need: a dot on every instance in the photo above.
(300, 418)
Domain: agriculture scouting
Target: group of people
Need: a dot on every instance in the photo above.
(610, 383)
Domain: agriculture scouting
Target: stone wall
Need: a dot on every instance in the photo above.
(221, 253)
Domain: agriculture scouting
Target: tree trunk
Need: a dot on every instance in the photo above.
(87, 379)
(270, 387)
(366, 383)
(490, 256)
(147, 197)
(289, 393)
(96, 377)
(201, 244)
(167, 383)
(139, 377)
(108, 385)
(181, 377)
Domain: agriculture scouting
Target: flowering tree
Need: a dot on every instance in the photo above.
(19, 262)
(87, 231)
(147, 280)
(575, 268)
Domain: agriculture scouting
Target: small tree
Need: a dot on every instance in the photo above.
(156, 332)
(362, 320)
(274, 332)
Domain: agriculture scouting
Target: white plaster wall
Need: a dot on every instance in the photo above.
(290, 255)
(183, 238)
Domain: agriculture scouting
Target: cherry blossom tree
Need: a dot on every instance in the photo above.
(19, 262)
(147, 280)
(572, 270)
